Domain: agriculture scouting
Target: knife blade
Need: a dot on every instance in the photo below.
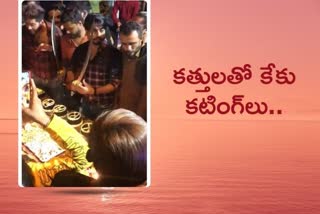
(86, 62)
(53, 41)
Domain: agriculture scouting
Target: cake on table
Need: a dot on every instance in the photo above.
(60, 110)
(48, 105)
(86, 128)
(74, 118)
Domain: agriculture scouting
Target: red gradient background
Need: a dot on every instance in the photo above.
(202, 164)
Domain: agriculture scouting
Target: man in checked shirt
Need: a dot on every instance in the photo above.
(102, 76)
(37, 53)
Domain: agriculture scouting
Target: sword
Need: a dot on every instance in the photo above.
(86, 61)
(54, 42)
(55, 49)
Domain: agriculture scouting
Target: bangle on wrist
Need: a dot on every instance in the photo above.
(94, 91)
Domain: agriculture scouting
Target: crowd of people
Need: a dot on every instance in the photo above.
(94, 62)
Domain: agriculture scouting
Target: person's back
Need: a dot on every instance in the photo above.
(118, 149)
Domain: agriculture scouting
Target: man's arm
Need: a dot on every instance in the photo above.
(58, 129)
(69, 138)
(114, 76)
(114, 14)
(86, 89)
(73, 68)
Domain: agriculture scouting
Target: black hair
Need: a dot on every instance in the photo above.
(52, 5)
(104, 3)
(127, 28)
(80, 5)
(33, 11)
(96, 18)
(71, 15)
(143, 15)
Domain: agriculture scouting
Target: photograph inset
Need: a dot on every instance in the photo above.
(83, 84)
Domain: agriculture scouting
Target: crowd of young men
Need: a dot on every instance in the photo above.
(95, 63)
(72, 54)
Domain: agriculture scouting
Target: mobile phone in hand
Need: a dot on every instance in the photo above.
(25, 84)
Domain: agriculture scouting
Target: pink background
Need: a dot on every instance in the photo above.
(202, 164)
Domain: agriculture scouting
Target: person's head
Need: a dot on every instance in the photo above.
(71, 20)
(118, 146)
(55, 10)
(33, 15)
(104, 7)
(131, 37)
(141, 18)
(95, 27)
(83, 6)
